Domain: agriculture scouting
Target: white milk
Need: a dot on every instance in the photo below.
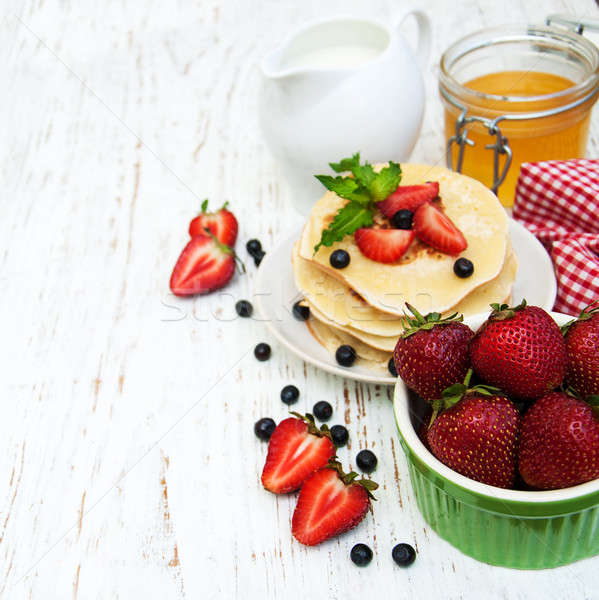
(332, 57)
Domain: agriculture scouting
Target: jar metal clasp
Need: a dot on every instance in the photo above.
(500, 146)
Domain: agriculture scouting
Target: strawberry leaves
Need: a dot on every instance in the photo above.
(351, 477)
(364, 188)
(417, 322)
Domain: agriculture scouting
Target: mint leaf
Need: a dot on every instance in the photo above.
(346, 187)
(364, 174)
(350, 217)
(385, 182)
(346, 164)
(363, 189)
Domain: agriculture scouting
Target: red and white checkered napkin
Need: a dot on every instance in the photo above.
(558, 201)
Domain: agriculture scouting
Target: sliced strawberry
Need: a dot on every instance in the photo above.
(222, 224)
(296, 449)
(330, 502)
(204, 265)
(437, 230)
(383, 245)
(409, 197)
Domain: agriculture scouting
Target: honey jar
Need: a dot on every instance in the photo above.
(516, 94)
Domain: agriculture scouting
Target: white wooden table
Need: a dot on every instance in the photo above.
(128, 463)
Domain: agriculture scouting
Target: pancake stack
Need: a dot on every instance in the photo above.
(363, 303)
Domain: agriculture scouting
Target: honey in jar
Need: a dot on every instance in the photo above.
(542, 108)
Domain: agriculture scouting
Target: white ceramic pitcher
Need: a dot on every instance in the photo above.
(339, 86)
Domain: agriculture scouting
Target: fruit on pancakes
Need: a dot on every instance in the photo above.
(383, 245)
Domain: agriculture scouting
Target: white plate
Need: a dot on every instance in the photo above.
(275, 293)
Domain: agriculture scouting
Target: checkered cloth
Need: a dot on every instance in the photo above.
(558, 201)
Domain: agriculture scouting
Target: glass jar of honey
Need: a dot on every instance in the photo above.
(516, 94)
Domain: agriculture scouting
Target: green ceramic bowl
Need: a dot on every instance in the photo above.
(510, 528)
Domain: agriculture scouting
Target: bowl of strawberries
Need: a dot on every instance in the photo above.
(498, 419)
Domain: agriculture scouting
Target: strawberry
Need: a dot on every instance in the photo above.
(296, 449)
(582, 340)
(432, 353)
(408, 197)
(478, 435)
(330, 502)
(520, 350)
(383, 245)
(204, 265)
(436, 229)
(222, 224)
(559, 445)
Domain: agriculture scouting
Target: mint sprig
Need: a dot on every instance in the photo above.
(364, 188)
(350, 218)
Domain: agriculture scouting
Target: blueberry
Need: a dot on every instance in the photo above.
(403, 554)
(300, 312)
(289, 394)
(262, 351)
(366, 461)
(402, 219)
(339, 259)
(340, 435)
(322, 410)
(463, 267)
(345, 355)
(391, 367)
(258, 257)
(244, 308)
(253, 247)
(264, 428)
(361, 555)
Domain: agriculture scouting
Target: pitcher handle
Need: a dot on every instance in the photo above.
(423, 23)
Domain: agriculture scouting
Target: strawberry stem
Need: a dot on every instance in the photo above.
(454, 393)
(503, 311)
(323, 431)
(349, 478)
(586, 313)
(417, 322)
(240, 266)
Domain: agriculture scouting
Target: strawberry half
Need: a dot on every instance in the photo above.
(204, 265)
(330, 502)
(408, 197)
(296, 449)
(383, 245)
(222, 224)
(437, 230)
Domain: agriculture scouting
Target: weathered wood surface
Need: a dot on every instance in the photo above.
(129, 465)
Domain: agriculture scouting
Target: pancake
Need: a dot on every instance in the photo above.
(423, 277)
(336, 301)
(342, 308)
(379, 342)
(331, 339)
